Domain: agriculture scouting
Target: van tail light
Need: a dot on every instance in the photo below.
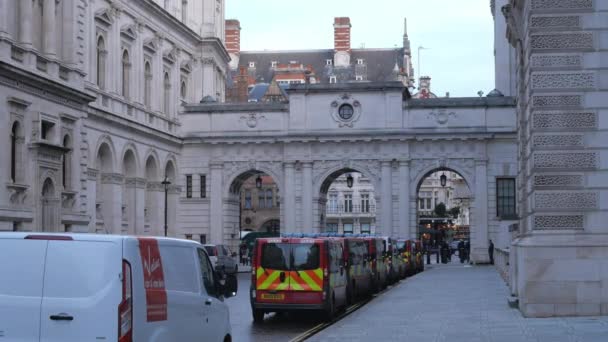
(125, 309)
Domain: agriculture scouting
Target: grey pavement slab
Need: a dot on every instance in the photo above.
(456, 303)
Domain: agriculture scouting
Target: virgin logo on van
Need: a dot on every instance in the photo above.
(150, 264)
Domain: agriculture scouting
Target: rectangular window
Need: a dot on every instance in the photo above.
(428, 203)
(261, 199)
(269, 198)
(365, 228)
(188, 186)
(328, 62)
(348, 228)
(333, 203)
(365, 203)
(273, 64)
(421, 204)
(248, 199)
(203, 186)
(360, 61)
(332, 79)
(505, 198)
(203, 239)
(348, 203)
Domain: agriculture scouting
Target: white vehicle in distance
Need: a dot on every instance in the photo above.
(222, 258)
(86, 287)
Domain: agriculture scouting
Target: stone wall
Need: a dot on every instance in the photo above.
(560, 255)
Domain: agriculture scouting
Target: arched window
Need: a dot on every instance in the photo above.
(101, 63)
(269, 198)
(126, 70)
(148, 85)
(184, 11)
(167, 97)
(67, 160)
(14, 137)
(183, 90)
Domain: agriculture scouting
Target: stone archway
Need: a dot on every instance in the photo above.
(474, 173)
(230, 209)
(347, 209)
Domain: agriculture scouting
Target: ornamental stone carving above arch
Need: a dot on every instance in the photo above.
(369, 168)
(345, 110)
(234, 169)
(419, 168)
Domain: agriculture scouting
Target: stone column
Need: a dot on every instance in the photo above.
(4, 13)
(112, 202)
(216, 234)
(307, 199)
(25, 22)
(386, 198)
(92, 198)
(49, 41)
(208, 77)
(404, 199)
(289, 198)
(140, 206)
(479, 241)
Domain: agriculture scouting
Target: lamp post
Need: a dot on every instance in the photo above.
(166, 183)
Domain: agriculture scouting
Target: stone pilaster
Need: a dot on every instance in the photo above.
(307, 198)
(289, 198)
(25, 22)
(49, 45)
(216, 203)
(386, 198)
(404, 229)
(479, 240)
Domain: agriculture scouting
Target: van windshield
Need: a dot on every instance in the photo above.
(276, 256)
(305, 256)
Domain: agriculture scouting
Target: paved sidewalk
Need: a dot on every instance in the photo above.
(456, 303)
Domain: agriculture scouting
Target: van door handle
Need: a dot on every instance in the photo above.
(61, 317)
(209, 301)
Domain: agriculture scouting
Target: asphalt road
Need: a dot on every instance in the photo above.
(275, 327)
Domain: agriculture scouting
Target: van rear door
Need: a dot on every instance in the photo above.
(272, 273)
(21, 271)
(82, 291)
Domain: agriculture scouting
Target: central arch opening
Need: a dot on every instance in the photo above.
(347, 203)
(443, 212)
(253, 209)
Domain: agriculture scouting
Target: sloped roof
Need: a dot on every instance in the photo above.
(378, 64)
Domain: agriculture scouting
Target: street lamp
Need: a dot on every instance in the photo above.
(258, 182)
(443, 179)
(349, 180)
(166, 183)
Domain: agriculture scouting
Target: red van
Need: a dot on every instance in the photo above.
(291, 274)
(378, 265)
(356, 257)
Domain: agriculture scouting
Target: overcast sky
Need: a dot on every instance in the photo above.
(458, 34)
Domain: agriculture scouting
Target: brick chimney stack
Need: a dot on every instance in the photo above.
(342, 41)
(233, 41)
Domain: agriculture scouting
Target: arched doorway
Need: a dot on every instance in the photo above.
(347, 203)
(254, 200)
(50, 207)
(443, 205)
(104, 198)
(152, 209)
(129, 198)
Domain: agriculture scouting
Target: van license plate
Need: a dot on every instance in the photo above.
(273, 296)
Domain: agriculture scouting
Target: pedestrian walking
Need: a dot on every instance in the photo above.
(461, 251)
(242, 253)
(467, 251)
(491, 252)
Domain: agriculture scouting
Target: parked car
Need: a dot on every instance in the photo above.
(87, 287)
(222, 258)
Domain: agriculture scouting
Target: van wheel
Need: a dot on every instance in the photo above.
(258, 316)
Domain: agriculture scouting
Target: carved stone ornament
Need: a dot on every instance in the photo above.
(17, 194)
(345, 110)
(442, 116)
(252, 119)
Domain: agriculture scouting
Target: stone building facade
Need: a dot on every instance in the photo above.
(89, 96)
(558, 263)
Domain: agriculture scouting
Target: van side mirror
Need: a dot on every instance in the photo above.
(230, 286)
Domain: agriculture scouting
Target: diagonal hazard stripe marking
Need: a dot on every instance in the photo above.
(313, 285)
(266, 284)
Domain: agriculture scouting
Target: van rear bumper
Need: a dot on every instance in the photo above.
(287, 307)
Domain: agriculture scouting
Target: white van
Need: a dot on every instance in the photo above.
(85, 287)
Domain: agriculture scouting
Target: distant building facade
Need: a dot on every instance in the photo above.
(351, 209)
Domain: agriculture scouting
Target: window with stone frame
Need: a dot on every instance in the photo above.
(147, 84)
(505, 198)
(365, 228)
(188, 186)
(167, 95)
(67, 161)
(261, 199)
(365, 203)
(15, 150)
(101, 62)
(126, 73)
(348, 203)
(348, 228)
(203, 186)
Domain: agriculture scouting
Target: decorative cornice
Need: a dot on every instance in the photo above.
(112, 178)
